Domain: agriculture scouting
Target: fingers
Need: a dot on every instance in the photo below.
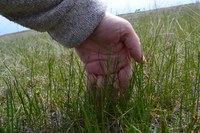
(132, 42)
(91, 80)
(119, 80)
(100, 81)
(124, 76)
(104, 67)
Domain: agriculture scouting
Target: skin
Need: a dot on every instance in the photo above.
(109, 51)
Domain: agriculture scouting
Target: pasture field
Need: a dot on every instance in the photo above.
(43, 89)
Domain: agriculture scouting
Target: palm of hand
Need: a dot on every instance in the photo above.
(108, 51)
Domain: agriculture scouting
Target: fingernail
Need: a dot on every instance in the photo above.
(144, 61)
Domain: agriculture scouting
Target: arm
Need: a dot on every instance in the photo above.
(97, 36)
(69, 22)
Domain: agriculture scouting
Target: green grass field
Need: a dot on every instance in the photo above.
(43, 89)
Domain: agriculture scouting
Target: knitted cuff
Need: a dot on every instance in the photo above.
(78, 23)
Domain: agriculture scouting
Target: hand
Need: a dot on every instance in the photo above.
(108, 51)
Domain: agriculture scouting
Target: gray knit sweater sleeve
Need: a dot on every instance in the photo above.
(69, 22)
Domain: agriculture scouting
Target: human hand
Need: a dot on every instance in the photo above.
(109, 50)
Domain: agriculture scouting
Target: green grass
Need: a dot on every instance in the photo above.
(43, 89)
